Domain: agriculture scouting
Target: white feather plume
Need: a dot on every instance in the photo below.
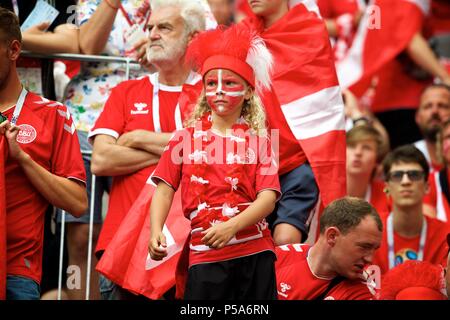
(261, 61)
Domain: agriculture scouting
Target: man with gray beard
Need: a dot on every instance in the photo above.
(433, 110)
(140, 115)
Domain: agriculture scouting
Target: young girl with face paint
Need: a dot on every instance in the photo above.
(227, 171)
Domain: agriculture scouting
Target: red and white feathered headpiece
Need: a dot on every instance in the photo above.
(413, 280)
(236, 48)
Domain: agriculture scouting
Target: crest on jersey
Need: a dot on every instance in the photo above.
(27, 134)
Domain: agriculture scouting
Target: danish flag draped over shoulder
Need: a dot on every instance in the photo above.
(307, 88)
(385, 31)
(3, 148)
(126, 261)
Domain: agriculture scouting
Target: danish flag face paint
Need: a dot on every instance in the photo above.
(225, 90)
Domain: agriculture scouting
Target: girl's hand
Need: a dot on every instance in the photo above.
(157, 246)
(220, 234)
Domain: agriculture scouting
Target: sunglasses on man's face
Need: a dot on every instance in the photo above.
(413, 175)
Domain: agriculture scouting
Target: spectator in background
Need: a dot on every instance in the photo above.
(391, 55)
(140, 115)
(223, 11)
(44, 166)
(364, 153)
(433, 110)
(437, 200)
(409, 235)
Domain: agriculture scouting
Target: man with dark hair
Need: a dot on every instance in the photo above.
(434, 109)
(409, 235)
(43, 166)
(334, 268)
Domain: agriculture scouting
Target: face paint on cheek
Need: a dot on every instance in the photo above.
(224, 102)
(227, 94)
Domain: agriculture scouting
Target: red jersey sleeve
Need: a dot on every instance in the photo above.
(267, 168)
(325, 8)
(351, 290)
(66, 160)
(171, 161)
(290, 254)
(112, 120)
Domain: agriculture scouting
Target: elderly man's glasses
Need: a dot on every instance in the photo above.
(413, 175)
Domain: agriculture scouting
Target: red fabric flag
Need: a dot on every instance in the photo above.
(307, 88)
(384, 32)
(126, 261)
(243, 8)
(3, 149)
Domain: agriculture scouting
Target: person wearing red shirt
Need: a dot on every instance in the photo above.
(342, 18)
(364, 145)
(140, 116)
(409, 235)
(434, 109)
(437, 200)
(44, 166)
(336, 266)
(227, 171)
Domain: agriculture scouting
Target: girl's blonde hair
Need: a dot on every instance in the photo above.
(252, 112)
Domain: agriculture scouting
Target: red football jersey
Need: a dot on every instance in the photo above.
(130, 107)
(435, 249)
(253, 239)
(295, 280)
(48, 135)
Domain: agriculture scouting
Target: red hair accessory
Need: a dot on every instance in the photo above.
(413, 280)
(237, 48)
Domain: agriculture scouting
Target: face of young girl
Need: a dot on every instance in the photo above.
(225, 91)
